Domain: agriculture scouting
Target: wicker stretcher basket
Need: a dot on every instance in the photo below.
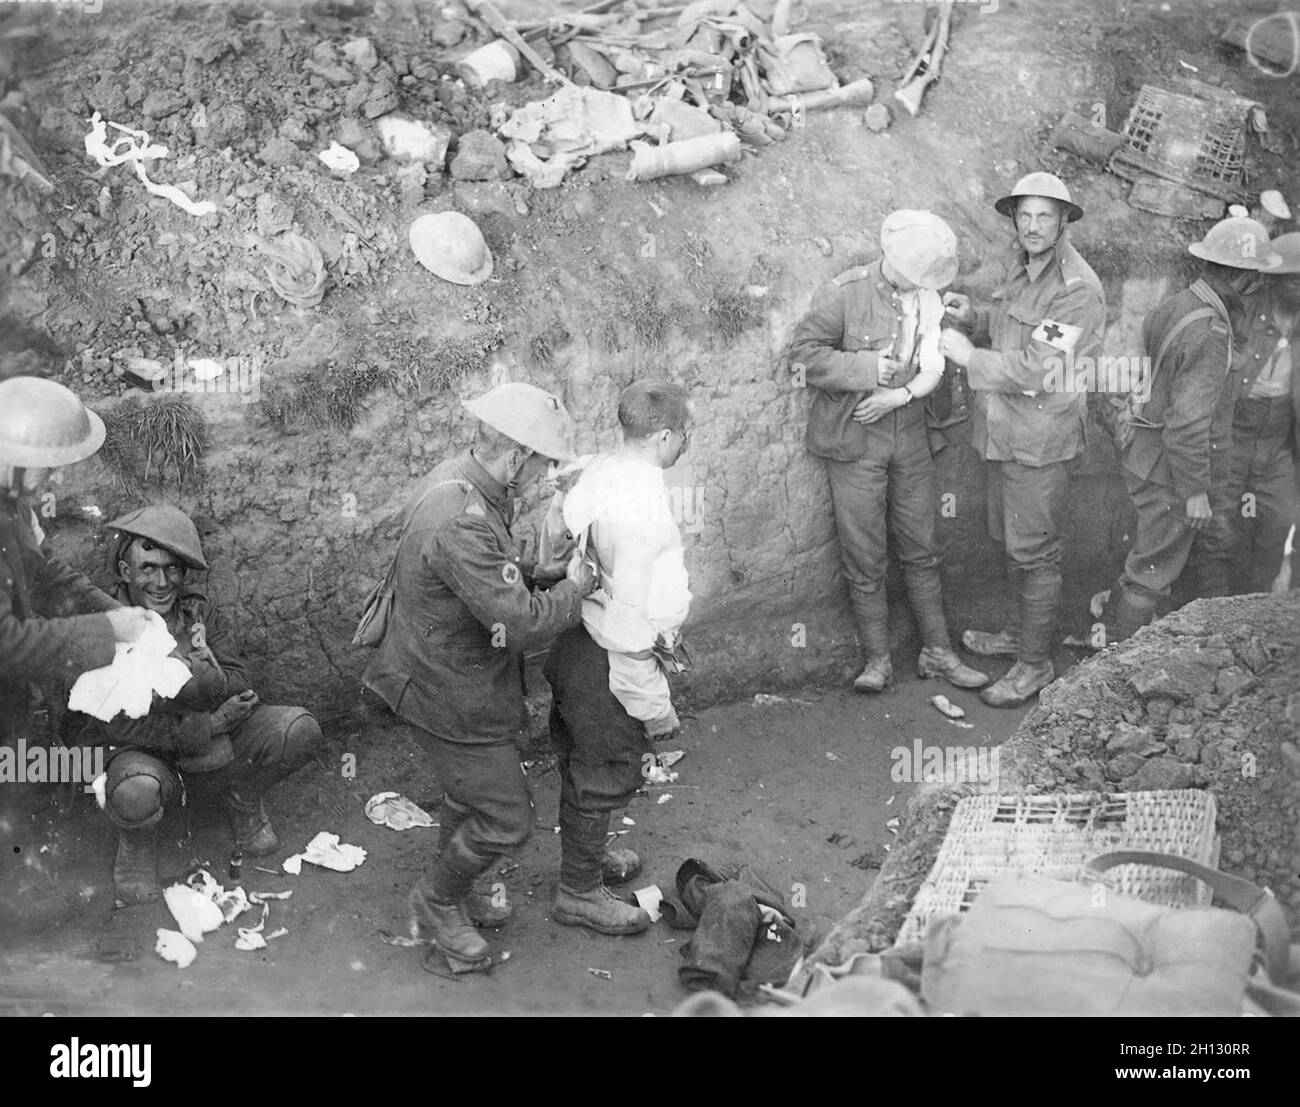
(1054, 836)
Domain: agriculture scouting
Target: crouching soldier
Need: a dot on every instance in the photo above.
(215, 732)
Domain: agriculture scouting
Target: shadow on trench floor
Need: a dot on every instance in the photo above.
(800, 790)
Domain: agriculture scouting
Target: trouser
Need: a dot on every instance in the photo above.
(1027, 514)
(601, 752)
(1162, 544)
(272, 743)
(488, 806)
(894, 481)
(1254, 492)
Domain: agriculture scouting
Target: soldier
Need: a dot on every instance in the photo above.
(215, 733)
(1254, 481)
(53, 621)
(611, 694)
(869, 348)
(450, 662)
(1050, 309)
(1169, 465)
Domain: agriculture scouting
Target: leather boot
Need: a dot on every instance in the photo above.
(1128, 616)
(1022, 681)
(982, 643)
(937, 661)
(583, 899)
(485, 905)
(436, 903)
(135, 871)
(618, 866)
(250, 824)
(872, 613)
(599, 909)
(875, 675)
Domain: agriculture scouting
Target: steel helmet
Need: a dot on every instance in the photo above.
(1040, 184)
(451, 246)
(1238, 243)
(165, 526)
(921, 246)
(1287, 247)
(530, 415)
(43, 425)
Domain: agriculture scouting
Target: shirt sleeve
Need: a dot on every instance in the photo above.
(34, 648)
(211, 685)
(64, 591)
(639, 685)
(817, 346)
(1200, 363)
(468, 556)
(1027, 370)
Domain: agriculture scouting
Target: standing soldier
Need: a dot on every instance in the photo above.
(1255, 480)
(1050, 310)
(53, 621)
(1169, 463)
(611, 694)
(451, 661)
(869, 348)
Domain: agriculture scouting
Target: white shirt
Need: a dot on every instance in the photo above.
(644, 595)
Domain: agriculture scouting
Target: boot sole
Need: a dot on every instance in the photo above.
(566, 919)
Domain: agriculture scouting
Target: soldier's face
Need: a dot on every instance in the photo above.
(1038, 224)
(153, 577)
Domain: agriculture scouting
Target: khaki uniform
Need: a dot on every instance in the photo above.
(1050, 307)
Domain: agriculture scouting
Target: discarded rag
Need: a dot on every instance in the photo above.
(296, 268)
(743, 935)
(549, 137)
(134, 147)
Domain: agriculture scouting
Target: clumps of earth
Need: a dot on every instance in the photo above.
(1205, 698)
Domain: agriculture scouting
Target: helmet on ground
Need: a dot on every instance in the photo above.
(165, 526)
(530, 415)
(921, 246)
(1040, 184)
(43, 425)
(451, 246)
(1238, 243)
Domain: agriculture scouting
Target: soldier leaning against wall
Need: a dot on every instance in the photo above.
(53, 621)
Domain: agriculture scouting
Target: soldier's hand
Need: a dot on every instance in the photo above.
(887, 368)
(582, 574)
(879, 404)
(232, 714)
(128, 623)
(958, 307)
(1198, 511)
(956, 346)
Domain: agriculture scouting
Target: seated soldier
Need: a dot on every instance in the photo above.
(214, 729)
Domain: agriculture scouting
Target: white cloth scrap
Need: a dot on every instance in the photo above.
(176, 948)
(134, 147)
(139, 669)
(194, 912)
(396, 812)
(549, 137)
(326, 851)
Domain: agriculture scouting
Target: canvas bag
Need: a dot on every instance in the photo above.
(378, 607)
(1034, 946)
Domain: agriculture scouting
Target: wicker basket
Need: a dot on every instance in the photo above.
(1196, 140)
(1054, 836)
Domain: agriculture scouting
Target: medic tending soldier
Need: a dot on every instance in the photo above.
(1051, 308)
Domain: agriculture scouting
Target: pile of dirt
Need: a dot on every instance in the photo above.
(1206, 698)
